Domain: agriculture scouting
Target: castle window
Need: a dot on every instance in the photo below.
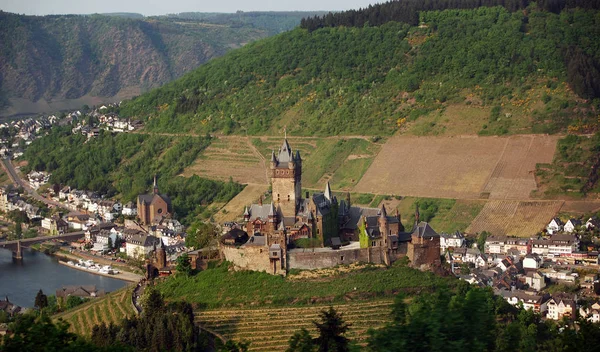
(342, 258)
(288, 197)
(373, 243)
(277, 196)
(160, 211)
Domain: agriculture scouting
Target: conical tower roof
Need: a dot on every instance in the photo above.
(328, 193)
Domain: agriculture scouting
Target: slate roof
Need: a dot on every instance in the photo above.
(144, 240)
(355, 214)
(425, 231)
(149, 198)
(256, 241)
(262, 212)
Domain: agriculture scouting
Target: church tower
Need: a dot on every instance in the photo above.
(286, 179)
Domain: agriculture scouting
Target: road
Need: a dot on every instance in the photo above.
(18, 181)
(70, 235)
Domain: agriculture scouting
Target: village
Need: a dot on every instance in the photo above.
(553, 273)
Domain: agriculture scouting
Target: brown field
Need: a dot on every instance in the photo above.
(462, 167)
(514, 218)
(230, 157)
(581, 207)
(234, 209)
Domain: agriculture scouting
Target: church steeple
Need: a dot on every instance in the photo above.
(155, 188)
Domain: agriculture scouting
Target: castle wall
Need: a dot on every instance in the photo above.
(306, 259)
(255, 258)
(424, 253)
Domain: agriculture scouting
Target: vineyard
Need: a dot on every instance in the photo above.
(233, 210)
(514, 218)
(462, 167)
(229, 157)
(269, 329)
(110, 308)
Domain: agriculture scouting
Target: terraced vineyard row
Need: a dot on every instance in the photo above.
(111, 308)
(514, 218)
(270, 329)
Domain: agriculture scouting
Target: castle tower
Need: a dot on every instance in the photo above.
(161, 256)
(384, 227)
(286, 179)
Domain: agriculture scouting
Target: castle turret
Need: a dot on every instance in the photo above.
(383, 222)
(246, 214)
(328, 194)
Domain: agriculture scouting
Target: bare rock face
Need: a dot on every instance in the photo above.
(68, 57)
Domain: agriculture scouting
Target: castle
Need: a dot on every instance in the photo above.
(270, 229)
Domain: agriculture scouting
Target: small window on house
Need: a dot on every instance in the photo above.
(342, 258)
(274, 254)
(160, 211)
(318, 231)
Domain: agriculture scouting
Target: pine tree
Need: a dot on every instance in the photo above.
(41, 300)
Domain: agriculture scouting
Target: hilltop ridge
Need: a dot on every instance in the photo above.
(514, 73)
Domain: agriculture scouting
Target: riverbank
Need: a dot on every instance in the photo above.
(122, 275)
(125, 276)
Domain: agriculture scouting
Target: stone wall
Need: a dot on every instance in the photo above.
(255, 258)
(306, 259)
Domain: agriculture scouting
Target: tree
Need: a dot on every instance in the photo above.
(200, 235)
(301, 341)
(331, 332)
(481, 240)
(18, 229)
(110, 243)
(41, 300)
(152, 303)
(184, 265)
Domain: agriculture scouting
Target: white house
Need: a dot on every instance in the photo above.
(129, 209)
(532, 262)
(572, 225)
(138, 246)
(559, 307)
(535, 280)
(591, 313)
(495, 244)
(537, 303)
(554, 226)
(454, 240)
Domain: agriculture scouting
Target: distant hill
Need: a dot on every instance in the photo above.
(485, 70)
(65, 61)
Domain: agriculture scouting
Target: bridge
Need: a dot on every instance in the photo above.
(17, 246)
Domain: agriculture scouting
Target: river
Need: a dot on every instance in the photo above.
(21, 281)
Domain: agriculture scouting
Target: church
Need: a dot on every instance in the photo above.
(272, 227)
(153, 207)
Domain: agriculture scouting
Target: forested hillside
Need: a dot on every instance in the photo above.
(125, 164)
(68, 57)
(532, 70)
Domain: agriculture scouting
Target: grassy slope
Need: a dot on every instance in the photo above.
(221, 287)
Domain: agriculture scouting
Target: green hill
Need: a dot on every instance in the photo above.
(59, 59)
(520, 68)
